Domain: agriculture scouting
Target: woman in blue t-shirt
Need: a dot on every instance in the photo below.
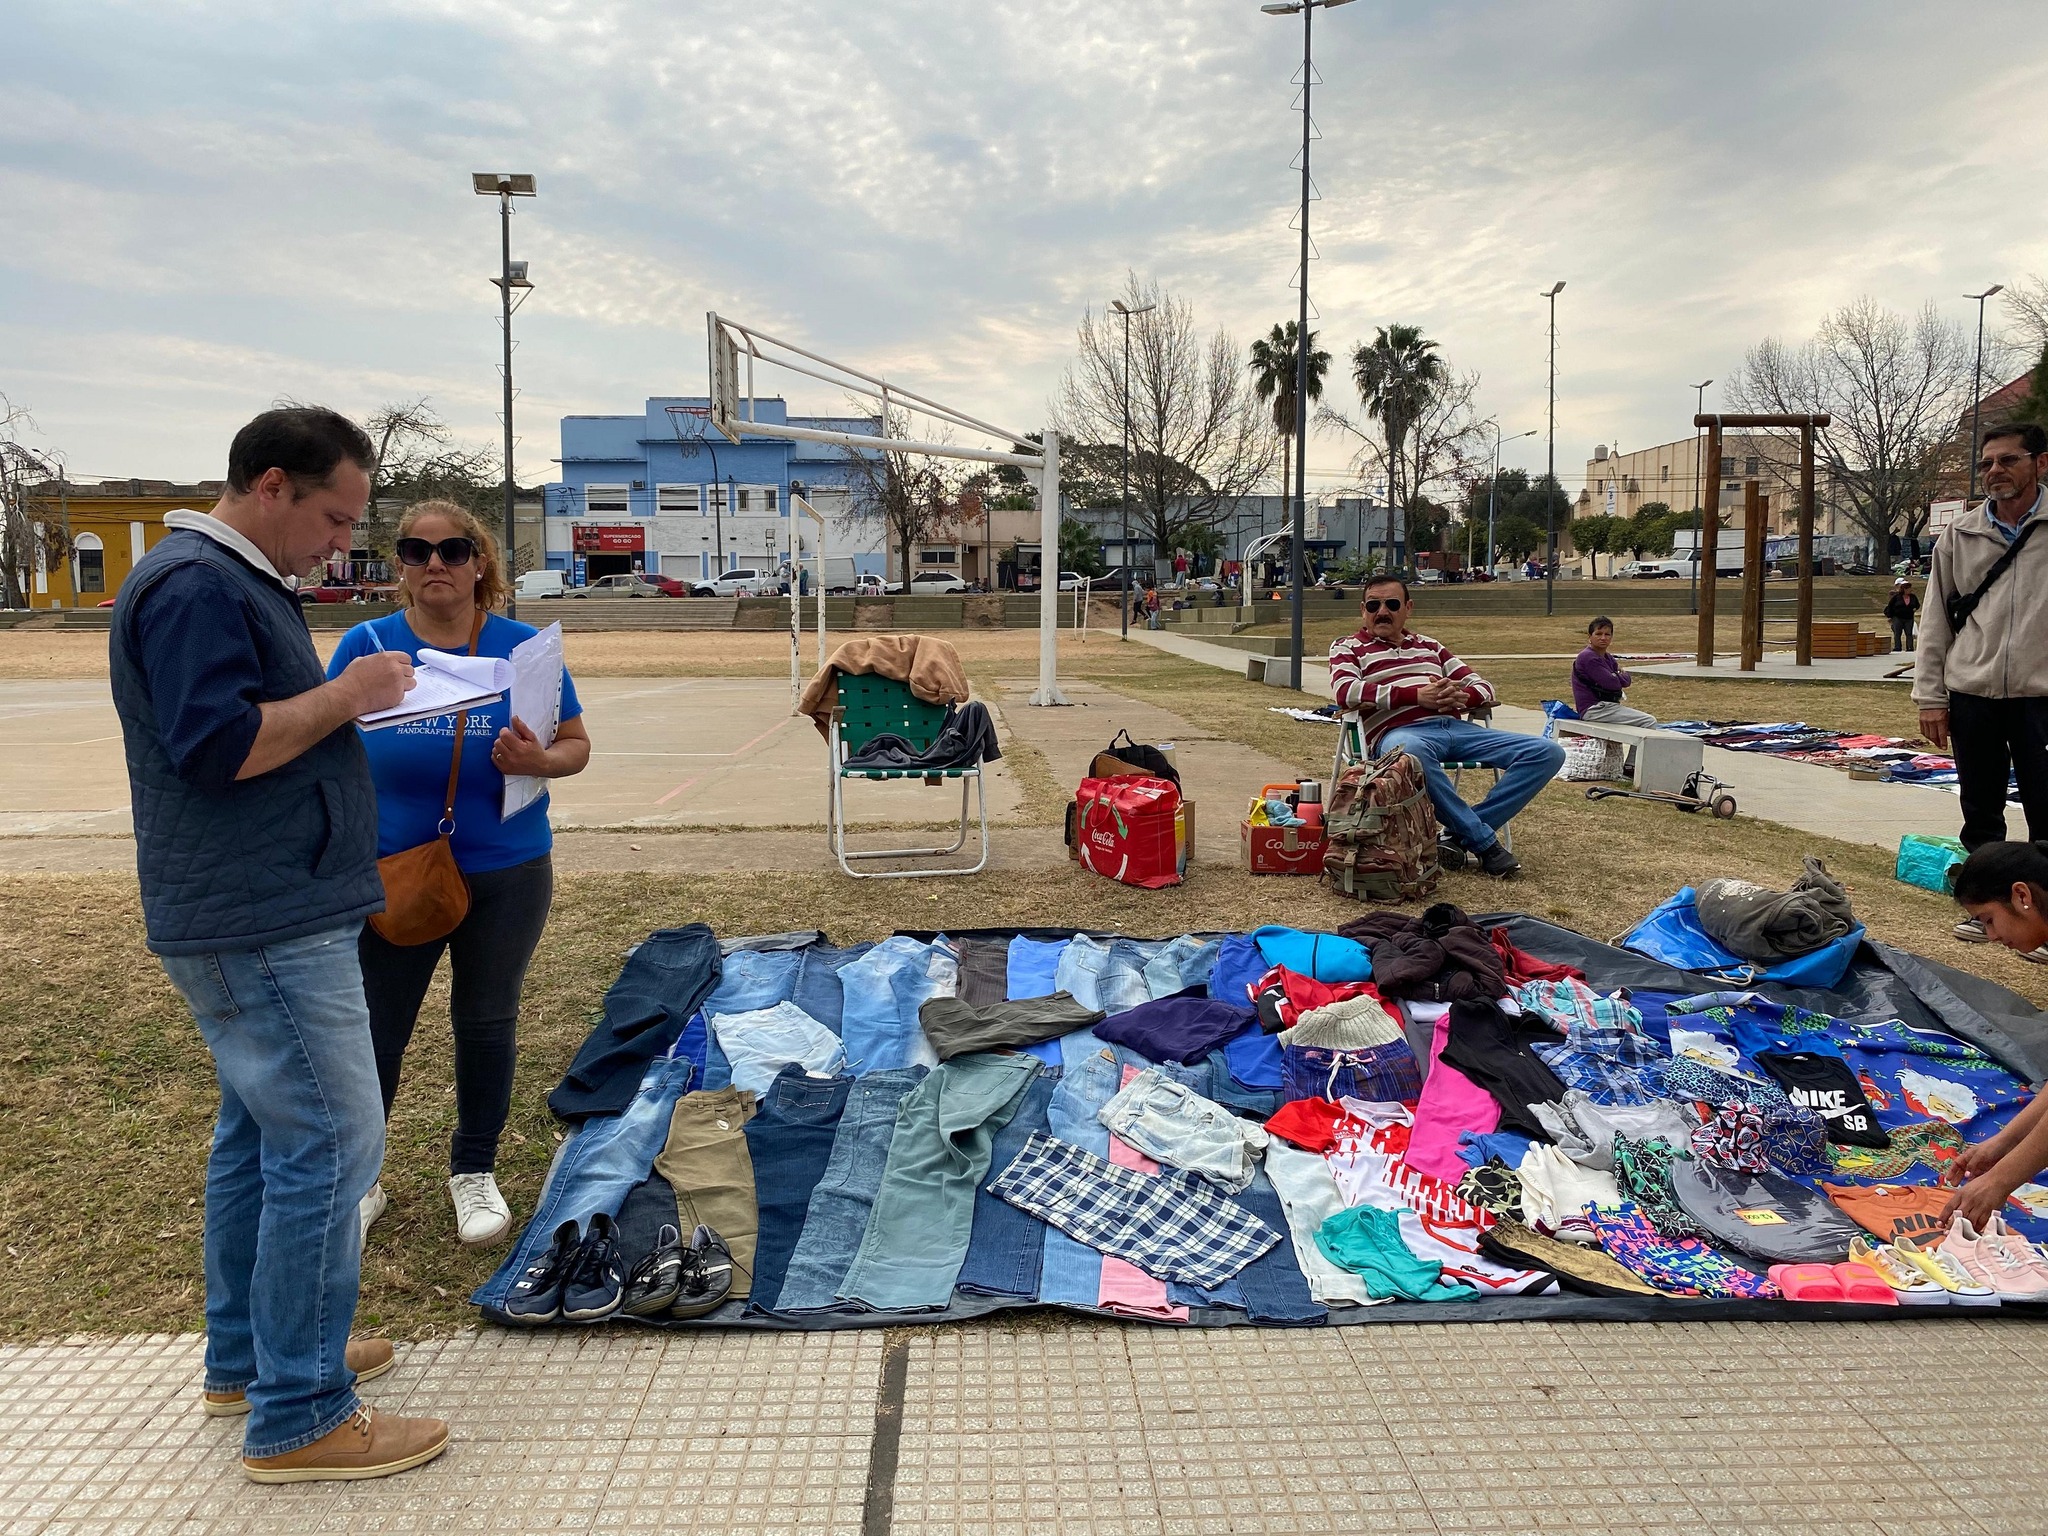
(449, 573)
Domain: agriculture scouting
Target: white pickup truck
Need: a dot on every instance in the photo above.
(1680, 567)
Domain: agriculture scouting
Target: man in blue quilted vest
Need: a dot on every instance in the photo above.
(256, 843)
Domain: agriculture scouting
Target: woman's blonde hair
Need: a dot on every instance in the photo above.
(491, 586)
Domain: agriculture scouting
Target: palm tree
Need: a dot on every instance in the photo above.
(1275, 366)
(1398, 374)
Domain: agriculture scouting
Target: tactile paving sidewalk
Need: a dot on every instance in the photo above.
(1056, 1427)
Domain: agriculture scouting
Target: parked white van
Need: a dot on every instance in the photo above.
(540, 584)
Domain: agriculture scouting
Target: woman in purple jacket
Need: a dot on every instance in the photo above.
(1598, 681)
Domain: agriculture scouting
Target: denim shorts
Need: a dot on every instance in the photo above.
(1381, 1074)
(1172, 1124)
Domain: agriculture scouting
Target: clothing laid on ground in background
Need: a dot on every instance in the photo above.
(1930, 1145)
(663, 983)
(706, 1163)
(1006, 1246)
(1822, 1082)
(929, 665)
(1309, 1197)
(1766, 1214)
(1642, 1172)
(1682, 1266)
(1367, 1241)
(837, 1217)
(1493, 1050)
(939, 1152)
(1584, 1129)
(1895, 1210)
(1758, 923)
(1556, 1192)
(489, 952)
(1173, 1125)
(1175, 1226)
(966, 738)
(1450, 1107)
(1182, 1028)
(1577, 1267)
(884, 991)
(410, 761)
(1435, 1221)
(759, 1043)
(790, 1141)
(957, 1029)
(1441, 956)
(1518, 966)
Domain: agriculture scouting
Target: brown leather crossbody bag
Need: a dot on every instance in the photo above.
(426, 896)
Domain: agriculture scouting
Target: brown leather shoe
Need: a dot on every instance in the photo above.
(368, 1358)
(370, 1444)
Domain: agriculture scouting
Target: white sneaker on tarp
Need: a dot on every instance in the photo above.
(372, 1206)
(481, 1215)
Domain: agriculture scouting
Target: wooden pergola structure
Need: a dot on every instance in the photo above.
(1753, 543)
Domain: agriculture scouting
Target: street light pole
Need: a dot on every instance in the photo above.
(504, 186)
(1550, 490)
(1699, 407)
(1296, 553)
(1493, 489)
(1977, 384)
(1127, 311)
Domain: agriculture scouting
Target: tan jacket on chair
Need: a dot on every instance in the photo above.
(931, 666)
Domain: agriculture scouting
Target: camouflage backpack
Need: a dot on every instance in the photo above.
(1382, 832)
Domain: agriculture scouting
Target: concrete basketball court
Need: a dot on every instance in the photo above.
(667, 752)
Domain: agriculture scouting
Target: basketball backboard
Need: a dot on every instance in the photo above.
(725, 379)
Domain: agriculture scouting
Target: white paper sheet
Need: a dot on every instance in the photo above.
(536, 684)
(443, 684)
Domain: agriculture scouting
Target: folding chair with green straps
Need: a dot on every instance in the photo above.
(869, 706)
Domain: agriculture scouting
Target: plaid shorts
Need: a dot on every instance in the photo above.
(1175, 1226)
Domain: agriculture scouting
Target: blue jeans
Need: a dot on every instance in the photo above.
(594, 1170)
(1107, 973)
(298, 1143)
(883, 991)
(1071, 1272)
(1527, 763)
(752, 978)
(1008, 1246)
(818, 989)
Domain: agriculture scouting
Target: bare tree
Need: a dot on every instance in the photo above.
(29, 533)
(1200, 440)
(1434, 449)
(419, 459)
(916, 498)
(1896, 388)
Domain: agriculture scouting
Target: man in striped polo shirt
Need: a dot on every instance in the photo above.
(1412, 694)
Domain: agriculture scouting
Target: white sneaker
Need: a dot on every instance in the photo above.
(370, 1207)
(481, 1215)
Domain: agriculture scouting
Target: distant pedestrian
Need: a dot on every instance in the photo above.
(256, 844)
(451, 579)
(1904, 612)
(1981, 678)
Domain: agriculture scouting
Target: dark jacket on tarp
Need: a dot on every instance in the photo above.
(1440, 957)
(1758, 923)
(662, 984)
(201, 641)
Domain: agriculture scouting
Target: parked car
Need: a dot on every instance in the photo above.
(742, 581)
(930, 584)
(541, 584)
(670, 586)
(330, 592)
(868, 586)
(628, 584)
(1070, 581)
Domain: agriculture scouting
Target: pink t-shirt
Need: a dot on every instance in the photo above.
(1451, 1104)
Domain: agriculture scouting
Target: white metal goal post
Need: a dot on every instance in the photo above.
(732, 382)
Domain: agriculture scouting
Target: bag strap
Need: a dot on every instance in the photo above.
(1960, 608)
(445, 828)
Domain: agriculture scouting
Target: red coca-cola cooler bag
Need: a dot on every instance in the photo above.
(1131, 828)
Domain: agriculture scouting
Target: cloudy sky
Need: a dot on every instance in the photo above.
(212, 203)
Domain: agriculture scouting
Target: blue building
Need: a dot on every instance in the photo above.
(662, 492)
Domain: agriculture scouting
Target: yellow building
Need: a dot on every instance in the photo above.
(1619, 484)
(110, 526)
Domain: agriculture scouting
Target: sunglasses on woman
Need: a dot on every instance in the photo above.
(457, 551)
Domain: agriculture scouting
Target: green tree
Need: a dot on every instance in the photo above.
(1426, 522)
(1276, 370)
(1517, 536)
(1080, 548)
(1651, 531)
(1544, 503)
(1399, 374)
(1595, 536)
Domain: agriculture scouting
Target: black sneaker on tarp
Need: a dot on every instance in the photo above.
(706, 1276)
(536, 1296)
(596, 1282)
(1498, 863)
(655, 1279)
(1451, 856)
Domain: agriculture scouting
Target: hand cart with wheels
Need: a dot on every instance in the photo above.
(1701, 792)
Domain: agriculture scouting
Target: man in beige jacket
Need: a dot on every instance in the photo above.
(1982, 685)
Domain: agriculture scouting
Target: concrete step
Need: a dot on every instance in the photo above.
(591, 614)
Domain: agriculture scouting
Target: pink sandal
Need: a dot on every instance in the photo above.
(1809, 1282)
(1860, 1283)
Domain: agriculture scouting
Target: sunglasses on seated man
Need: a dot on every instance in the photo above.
(1391, 604)
(456, 551)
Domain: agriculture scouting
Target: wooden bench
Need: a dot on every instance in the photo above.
(1664, 760)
